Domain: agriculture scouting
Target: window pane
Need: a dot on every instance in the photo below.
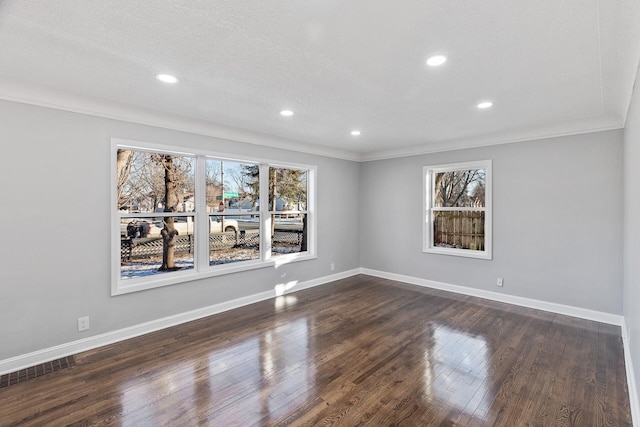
(289, 234)
(234, 238)
(288, 187)
(240, 181)
(460, 188)
(151, 182)
(459, 229)
(142, 182)
(142, 248)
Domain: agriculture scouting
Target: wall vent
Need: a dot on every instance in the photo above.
(36, 371)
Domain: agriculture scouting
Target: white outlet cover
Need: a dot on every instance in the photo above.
(83, 324)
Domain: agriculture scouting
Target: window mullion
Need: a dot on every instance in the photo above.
(311, 211)
(201, 256)
(265, 217)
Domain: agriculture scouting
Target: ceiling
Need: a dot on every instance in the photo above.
(551, 67)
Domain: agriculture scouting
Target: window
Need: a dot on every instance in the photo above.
(458, 209)
(233, 191)
(180, 216)
(288, 210)
(155, 193)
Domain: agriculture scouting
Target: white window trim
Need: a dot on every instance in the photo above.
(202, 269)
(427, 241)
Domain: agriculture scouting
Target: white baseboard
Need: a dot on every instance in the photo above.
(568, 310)
(631, 378)
(17, 363)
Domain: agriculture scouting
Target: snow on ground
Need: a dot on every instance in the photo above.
(150, 266)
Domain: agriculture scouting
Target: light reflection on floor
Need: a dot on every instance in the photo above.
(276, 359)
(283, 302)
(457, 370)
(152, 386)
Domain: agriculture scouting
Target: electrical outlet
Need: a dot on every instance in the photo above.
(333, 266)
(500, 282)
(83, 324)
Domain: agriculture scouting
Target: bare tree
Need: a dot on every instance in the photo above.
(453, 189)
(212, 172)
(124, 162)
(238, 180)
(141, 183)
(169, 232)
(479, 194)
(213, 191)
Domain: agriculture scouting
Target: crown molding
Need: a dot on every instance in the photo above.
(560, 130)
(12, 90)
(15, 91)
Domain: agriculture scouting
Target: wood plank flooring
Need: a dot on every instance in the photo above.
(360, 351)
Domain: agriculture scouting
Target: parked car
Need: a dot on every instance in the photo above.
(184, 225)
(134, 227)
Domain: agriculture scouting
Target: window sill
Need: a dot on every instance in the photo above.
(465, 253)
(121, 287)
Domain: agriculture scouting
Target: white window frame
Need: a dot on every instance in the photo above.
(428, 208)
(202, 269)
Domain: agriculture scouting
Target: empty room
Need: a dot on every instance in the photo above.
(307, 213)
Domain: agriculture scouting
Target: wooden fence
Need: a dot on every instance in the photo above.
(459, 229)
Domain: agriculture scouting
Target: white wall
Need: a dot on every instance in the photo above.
(632, 229)
(55, 258)
(557, 221)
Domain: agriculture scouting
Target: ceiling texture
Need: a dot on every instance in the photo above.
(550, 67)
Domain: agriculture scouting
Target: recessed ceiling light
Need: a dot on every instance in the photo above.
(167, 78)
(485, 104)
(436, 60)
(286, 113)
(355, 133)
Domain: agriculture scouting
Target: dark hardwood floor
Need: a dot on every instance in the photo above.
(360, 351)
